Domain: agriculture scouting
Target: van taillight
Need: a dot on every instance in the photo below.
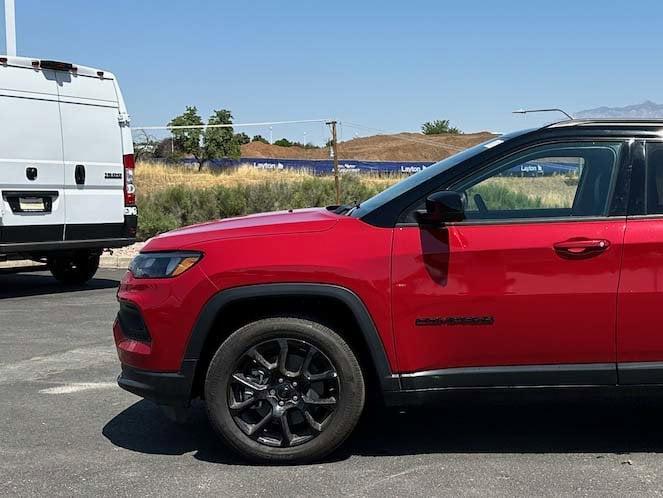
(129, 186)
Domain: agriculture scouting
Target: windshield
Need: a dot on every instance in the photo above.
(423, 176)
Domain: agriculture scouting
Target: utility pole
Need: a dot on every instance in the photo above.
(334, 146)
(10, 27)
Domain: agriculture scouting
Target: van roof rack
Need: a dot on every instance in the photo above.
(36, 63)
(57, 65)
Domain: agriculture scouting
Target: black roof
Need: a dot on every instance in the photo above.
(608, 123)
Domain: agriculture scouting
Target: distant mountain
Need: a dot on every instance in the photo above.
(647, 110)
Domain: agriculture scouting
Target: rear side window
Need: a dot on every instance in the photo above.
(654, 178)
(548, 181)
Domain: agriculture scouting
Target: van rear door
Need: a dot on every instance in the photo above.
(32, 205)
(93, 167)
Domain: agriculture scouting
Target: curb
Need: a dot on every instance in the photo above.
(107, 262)
(11, 265)
(115, 262)
(21, 266)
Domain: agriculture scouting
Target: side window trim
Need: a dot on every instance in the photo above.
(621, 189)
(620, 184)
(640, 205)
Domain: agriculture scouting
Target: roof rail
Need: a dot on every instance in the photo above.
(528, 111)
(649, 122)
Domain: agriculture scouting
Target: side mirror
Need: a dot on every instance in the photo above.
(442, 207)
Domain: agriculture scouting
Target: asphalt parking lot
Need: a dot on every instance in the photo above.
(67, 429)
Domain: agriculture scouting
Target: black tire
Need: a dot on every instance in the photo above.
(74, 269)
(325, 433)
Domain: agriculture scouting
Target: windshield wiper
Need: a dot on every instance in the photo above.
(342, 209)
(346, 209)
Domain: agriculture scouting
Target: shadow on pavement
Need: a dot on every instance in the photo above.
(143, 428)
(41, 283)
(604, 425)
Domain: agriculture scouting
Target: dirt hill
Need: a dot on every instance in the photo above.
(399, 147)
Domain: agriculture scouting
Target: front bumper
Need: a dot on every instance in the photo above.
(156, 319)
(151, 334)
(164, 388)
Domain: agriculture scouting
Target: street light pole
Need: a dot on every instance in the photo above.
(10, 27)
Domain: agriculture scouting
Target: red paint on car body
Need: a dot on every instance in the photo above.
(313, 245)
(512, 274)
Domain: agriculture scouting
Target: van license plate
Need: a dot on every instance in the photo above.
(32, 204)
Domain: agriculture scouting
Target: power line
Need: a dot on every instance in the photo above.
(234, 125)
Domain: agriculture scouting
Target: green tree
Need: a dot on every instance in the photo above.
(188, 140)
(208, 143)
(438, 127)
(220, 142)
(284, 142)
(259, 138)
(242, 138)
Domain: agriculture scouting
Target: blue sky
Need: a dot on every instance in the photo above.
(386, 65)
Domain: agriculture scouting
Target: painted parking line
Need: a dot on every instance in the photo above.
(75, 387)
(41, 367)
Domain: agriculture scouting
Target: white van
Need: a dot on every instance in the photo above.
(66, 166)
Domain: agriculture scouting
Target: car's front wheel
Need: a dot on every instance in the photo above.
(284, 390)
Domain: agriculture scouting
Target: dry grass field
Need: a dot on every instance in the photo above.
(549, 191)
(154, 177)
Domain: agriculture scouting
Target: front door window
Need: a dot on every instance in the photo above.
(556, 180)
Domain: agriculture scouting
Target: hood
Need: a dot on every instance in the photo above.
(255, 225)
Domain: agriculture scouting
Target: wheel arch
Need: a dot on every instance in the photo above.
(249, 303)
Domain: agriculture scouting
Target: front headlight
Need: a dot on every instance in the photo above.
(163, 264)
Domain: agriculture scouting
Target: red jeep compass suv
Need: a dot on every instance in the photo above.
(532, 260)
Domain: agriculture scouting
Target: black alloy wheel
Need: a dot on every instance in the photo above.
(284, 390)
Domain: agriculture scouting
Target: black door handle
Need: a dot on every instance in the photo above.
(79, 174)
(31, 173)
(581, 248)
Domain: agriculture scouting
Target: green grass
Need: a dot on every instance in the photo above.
(499, 197)
(508, 192)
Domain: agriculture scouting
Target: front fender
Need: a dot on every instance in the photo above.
(203, 327)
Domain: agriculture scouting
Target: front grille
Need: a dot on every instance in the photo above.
(131, 321)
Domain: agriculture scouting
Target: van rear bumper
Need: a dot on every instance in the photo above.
(64, 245)
(49, 238)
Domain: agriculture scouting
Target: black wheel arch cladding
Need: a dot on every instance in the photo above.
(214, 308)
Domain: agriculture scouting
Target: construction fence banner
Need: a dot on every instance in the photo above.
(326, 166)
(320, 166)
